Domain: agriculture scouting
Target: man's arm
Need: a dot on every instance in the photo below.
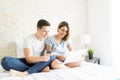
(32, 59)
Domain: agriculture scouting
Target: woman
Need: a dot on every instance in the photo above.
(58, 43)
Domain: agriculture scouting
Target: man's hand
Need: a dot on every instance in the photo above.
(46, 57)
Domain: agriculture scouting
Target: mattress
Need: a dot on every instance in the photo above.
(87, 71)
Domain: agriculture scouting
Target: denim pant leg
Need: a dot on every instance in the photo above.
(13, 63)
(40, 65)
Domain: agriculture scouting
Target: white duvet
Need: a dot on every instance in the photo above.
(88, 71)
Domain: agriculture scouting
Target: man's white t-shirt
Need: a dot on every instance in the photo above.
(38, 46)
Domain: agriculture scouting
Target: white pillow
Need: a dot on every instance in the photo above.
(19, 48)
(75, 55)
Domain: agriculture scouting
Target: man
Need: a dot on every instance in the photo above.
(35, 60)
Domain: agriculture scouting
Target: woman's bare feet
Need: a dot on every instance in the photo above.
(17, 73)
(73, 64)
(46, 69)
(56, 64)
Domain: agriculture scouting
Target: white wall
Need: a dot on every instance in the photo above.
(116, 32)
(18, 18)
(99, 26)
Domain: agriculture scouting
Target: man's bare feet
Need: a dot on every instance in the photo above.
(46, 69)
(17, 73)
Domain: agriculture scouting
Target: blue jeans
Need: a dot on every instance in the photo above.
(21, 64)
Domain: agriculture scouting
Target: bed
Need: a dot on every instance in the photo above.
(87, 71)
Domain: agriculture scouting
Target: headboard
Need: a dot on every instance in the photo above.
(19, 48)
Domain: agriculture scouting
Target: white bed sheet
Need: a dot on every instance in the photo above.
(88, 71)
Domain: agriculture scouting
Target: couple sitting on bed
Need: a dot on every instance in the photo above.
(34, 46)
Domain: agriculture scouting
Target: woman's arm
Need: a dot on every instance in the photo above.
(49, 49)
(69, 47)
(33, 59)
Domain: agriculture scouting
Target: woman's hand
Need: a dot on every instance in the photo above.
(61, 58)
